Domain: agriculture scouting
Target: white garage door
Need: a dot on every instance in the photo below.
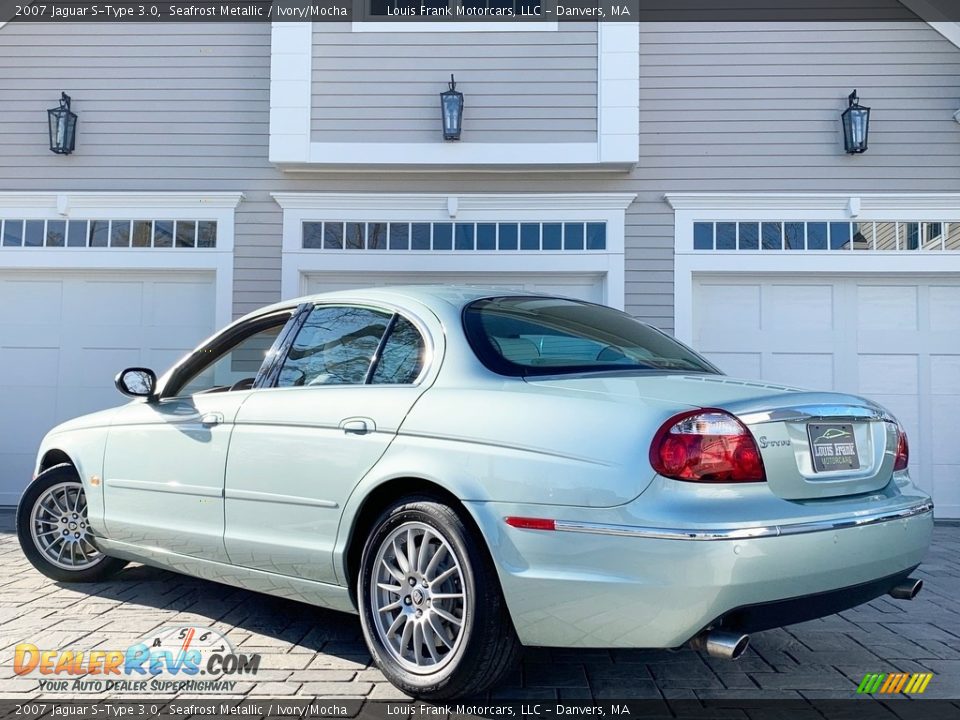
(63, 337)
(583, 286)
(896, 341)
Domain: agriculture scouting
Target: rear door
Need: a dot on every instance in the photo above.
(298, 450)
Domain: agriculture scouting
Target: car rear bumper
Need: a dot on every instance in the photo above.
(599, 583)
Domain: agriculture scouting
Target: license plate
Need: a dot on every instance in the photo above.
(833, 447)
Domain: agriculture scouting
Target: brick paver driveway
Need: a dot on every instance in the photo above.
(311, 651)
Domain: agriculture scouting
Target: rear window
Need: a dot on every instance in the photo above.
(548, 336)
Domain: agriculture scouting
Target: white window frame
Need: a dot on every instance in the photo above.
(705, 207)
(297, 263)
(217, 206)
(617, 145)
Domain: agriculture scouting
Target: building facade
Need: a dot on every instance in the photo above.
(691, 173)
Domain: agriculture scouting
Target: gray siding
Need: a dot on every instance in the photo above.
(723, 108)
(756, 108)
(161, 107)
(522, 87)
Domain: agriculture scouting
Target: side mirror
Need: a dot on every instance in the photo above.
(136, 382)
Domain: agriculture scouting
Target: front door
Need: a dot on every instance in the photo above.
(165, 460)
(299, 449)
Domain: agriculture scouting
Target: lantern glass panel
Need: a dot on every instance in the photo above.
(451, 103)
(63, 128)
(855, 128)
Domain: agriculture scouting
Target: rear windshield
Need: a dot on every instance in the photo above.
(549, 336)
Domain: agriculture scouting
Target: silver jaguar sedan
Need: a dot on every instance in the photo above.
(472, 471)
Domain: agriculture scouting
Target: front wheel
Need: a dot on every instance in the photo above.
(432, 611)
(54, 533)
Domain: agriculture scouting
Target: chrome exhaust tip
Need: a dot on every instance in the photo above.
(906, 590)
(721, 644)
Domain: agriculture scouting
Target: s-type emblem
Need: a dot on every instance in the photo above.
(765, 442)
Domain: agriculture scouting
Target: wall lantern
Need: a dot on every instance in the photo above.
(63, 127)
(451, 108)
(856, 125)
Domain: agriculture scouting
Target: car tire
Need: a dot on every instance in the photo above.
(433, 615)
(53, 531)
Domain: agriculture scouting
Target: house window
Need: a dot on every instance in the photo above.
(96, 233)
(823, 235)
(337, 235)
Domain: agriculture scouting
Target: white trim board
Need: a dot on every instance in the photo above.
(203, 205)
(617, 146)
(610, 208)
(129, 206)
(935, 18)
(692, 207)
(853, 203)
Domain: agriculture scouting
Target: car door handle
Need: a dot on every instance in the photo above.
(357, 426)
(211, 418)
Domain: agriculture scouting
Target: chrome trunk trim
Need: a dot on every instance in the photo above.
(804, 413)
(745, 533)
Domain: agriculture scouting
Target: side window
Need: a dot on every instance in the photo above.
(236, 367)
(402, 357)
(334, 347)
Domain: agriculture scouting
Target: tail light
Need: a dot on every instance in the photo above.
(903, 451)
(706, 446)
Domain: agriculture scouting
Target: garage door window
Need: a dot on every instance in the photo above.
(787, 235)
(95, 233)
(334, 235)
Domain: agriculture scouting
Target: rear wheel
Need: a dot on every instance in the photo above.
(430, 602)
(54, 532)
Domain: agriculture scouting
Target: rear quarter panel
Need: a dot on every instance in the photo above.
(512, 442)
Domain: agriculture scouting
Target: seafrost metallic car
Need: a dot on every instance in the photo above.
(473, 471)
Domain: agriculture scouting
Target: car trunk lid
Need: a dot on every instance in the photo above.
(813, 444)
(822, 444)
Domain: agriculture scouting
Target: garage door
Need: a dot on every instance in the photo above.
(895, 341)
(63, 337)
(583, 286)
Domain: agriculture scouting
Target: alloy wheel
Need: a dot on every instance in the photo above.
(59, 527)
(419, 597)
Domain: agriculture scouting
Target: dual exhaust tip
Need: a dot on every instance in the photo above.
(731, 645)
(906, 590)
(721, 644)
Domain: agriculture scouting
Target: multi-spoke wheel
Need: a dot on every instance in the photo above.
(54, 532)
(419, 597)
(430, 603)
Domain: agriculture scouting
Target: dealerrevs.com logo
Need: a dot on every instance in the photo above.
(172, 659)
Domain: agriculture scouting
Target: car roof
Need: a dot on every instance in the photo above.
(454, 295)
